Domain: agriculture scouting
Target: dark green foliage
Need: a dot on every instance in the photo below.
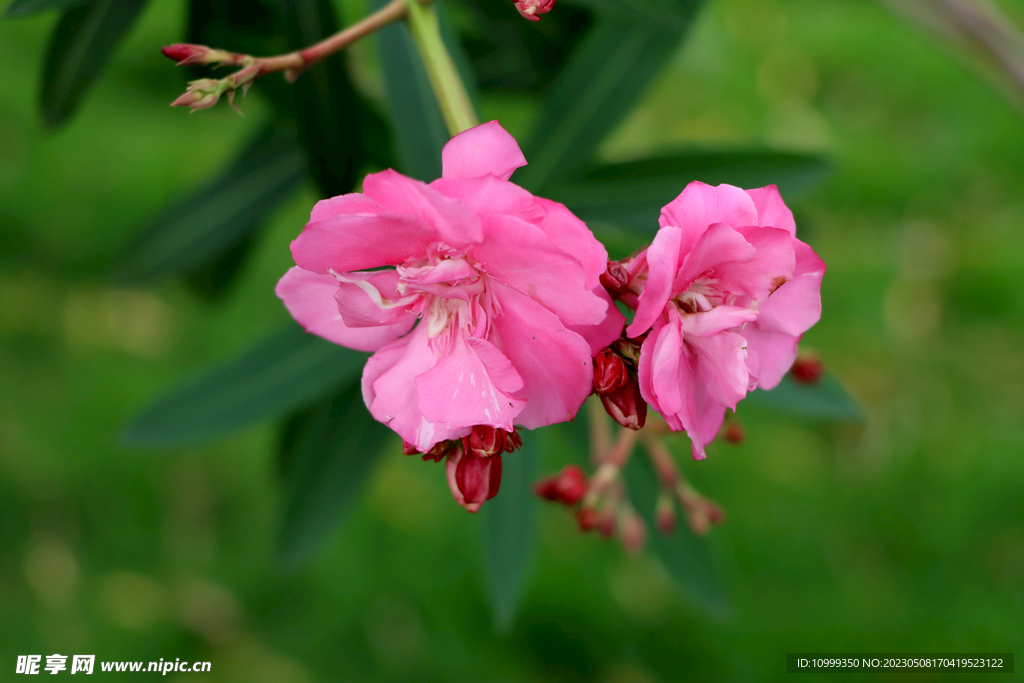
(203, 231)
(26, 8)
(82, 42)
(283, 372)
(509, 529)
(826, 400)
(326, 453)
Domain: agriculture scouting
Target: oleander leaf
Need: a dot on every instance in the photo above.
(221, 214)
(327, 453)
(510, 530)
(826, 400)
(26, 8)
(281, 373)
(81, 44)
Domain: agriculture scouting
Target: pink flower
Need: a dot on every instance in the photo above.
(530, 9)
(727, 292)
(505, 286)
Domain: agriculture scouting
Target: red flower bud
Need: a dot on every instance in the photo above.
(626, 405)
(633, 532)
(531, 8)
(485, 441)
(586, 518)
(569, 486)
(607, 523)
(734, 433)
(615, 279)
(185, 53)
(807, 370)
(610, 372)
(665, 514)
(473, 480)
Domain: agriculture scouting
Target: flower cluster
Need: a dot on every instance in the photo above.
(486, 307)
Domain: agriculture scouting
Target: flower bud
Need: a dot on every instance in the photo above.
(473, 480)
(408, 448)
(531, 8)
(186, 54)
(610, 372)
(665, 513)
(197, 99)
(701, 512)
(485, 441)
(734, 433)
(586, 518)
(633, 532)
(807, 370)
(615, 279)
(606, 524)
(568, 487)
(626, 405)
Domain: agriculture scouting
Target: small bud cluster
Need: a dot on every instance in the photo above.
(530, 9)
(203, 93)
(615, 382)
(473, 462)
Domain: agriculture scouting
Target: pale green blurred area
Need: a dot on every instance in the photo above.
(903, 534)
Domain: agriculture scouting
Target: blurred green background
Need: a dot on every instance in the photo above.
(905, 533)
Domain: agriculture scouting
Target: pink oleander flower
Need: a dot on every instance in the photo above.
(505, 286)
(727, 292)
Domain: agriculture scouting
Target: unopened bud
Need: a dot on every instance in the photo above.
(807, 370)
(633, 532)
(531, 8)
(586, 518)
(485, 441)
(615, 279)
(734, 433)
(701, 512)
(197, 99)
(665, 513)
(473, 480)
(569, 486)
(626, 405)
(187, 54)
(441, 450)
(606, 524)
(610, 372)
(408, 448)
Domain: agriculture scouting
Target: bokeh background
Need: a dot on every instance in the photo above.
(901, 533)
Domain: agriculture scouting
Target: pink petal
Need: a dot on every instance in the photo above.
(454, 222)
(344, 205)
(699, 206)
(605, 332)
(571, 235)
(662, 264)
(771, 266)
(485, 149)
(359, 241)
(372, 299)
(722, 367)
(309, 297)
(718, 246)
(772, 212)
(795, 306)
(554, 363)
(391, 394)
(521, 256)
(471, 385)
(718, 319)
(770, 355)
(491, 195)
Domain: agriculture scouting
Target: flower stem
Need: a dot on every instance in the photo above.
(444, 77)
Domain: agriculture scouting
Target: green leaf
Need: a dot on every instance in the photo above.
(214, 280)
(599, 86)
(689, 559)
(280, 374)
(416, 122)
(25, 8)
(81, 44)
(826, 400)
(631, 194)
(327, 453)
(509, 530)
(220, 214)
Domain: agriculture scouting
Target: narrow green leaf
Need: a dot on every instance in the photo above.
(328, 451)
(509, 530)
(80, 46)
(26, 8)
(215, 279)
(221, 214)
(596, 91)
(689, 559)
(281, 373)
(631, 194)
(825, 400)
(416, 122)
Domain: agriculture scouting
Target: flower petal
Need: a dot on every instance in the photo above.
(485, 149)
(721, 366)
(699, 206)
(554, 363)
(521, 256)
(772, 212)
(662, 259)
(309, 297)
(471, 385)
(715, 321)
(455, 223)
(605, 332)
(348, 242)
(771, 267)
(770, 355)
(719, 246)
(795, 306)
(372, 299)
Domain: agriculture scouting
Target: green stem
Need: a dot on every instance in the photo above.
(444, 77)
